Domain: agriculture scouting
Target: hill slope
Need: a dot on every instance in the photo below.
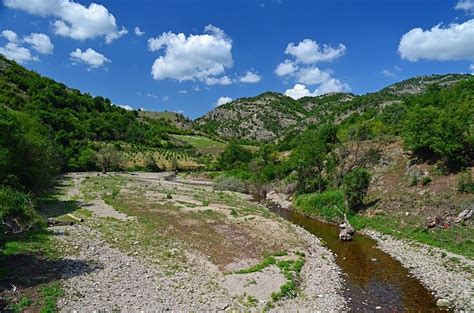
(271, 115)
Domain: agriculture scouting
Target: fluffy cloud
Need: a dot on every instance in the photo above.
(126, 107)
(286, 68)
(138, 31)
(89, 57)
(73, 19)
(40, 42)
(250, 78)
(224, 80)
(454, 42)
(472, 68)
(309, 52)
(195, 57)
(17, 53)
(331, 85)
(10, 35)
(223, 100)
(183, 91)
(304, 71)
(312, 76)
(465, 5)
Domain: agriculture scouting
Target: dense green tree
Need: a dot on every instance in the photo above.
(234, 156)
(355, 186)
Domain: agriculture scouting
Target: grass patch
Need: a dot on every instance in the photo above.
(456, 239)
(323, 205)
(50, 295)
(291, 269)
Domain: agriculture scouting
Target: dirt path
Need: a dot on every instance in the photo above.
(129, 275)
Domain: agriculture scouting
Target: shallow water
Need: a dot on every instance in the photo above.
(373, 278)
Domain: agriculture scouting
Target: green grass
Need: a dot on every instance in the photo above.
(50, 295)
(201, 142)
(324, 205)
(21, 305)
(457, 239)
(291, 269)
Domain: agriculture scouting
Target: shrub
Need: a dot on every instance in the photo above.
(234, 156)
(426, 180)
(229, 183)
(355, 186)
(465, 182)
(16, 211)
(325, 205)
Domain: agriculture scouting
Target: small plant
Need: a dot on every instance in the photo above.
(465, 182)
(229, 183)
(205, 203)
(414, 181)
(426, 180)
(251, 301)
(21, 305)
(169, 196)
(233, 212)
(50, 296)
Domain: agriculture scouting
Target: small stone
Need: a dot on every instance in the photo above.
(378, 307)
(374, 260)
(442, 303)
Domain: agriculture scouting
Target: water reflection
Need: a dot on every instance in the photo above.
(373, 278)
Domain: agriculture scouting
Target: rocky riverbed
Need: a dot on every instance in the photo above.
(447, 275)
(132, 277)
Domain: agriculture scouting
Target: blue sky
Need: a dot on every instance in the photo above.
(188, 54)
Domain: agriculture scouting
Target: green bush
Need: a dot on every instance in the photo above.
(325, 205)
(229, 183)
(234, 156)
(16, 211)
(355, 186)
(465, 182)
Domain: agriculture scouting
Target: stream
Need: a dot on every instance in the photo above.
(373, 279)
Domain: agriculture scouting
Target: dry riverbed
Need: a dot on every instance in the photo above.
(152, 244)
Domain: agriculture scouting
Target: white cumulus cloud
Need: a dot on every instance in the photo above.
(72, 19)
(223, 80)
(17, 53)
(10, 35)
(202, 57)
(250, 78)
(89, 57)
(223, 100)
(465, 5)
(331, 85)
(304, 71)
(126, 107)
(309, 51)
(454, 42)
(40, 42)
(286, 68)
(472, 68)
(138, 31)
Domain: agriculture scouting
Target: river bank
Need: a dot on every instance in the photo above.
(148, 243)
(447, 276)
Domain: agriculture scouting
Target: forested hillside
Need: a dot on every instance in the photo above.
(271, 115)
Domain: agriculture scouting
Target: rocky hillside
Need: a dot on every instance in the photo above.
(271, 115)
(264, 117)
(175, 120)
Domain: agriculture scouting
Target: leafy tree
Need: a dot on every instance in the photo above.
(234, 156)
(355, 186)
(108, 157)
